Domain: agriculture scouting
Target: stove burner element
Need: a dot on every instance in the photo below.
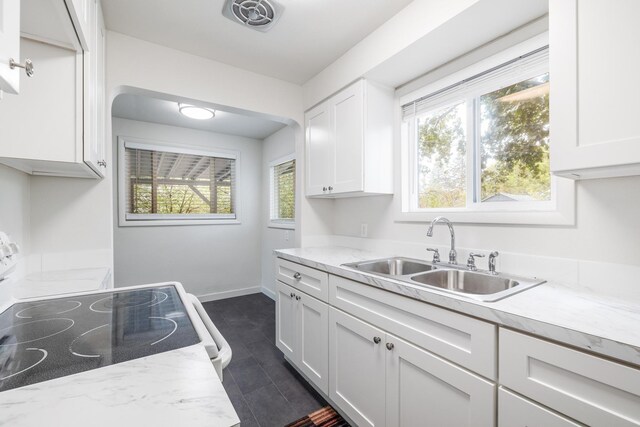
(98, 342)
(161, 300)
(45, 328)
(107, 304)
(50, 308)
(44, 356)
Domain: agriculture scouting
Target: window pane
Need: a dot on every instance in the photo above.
(442, 158)
(284, 181)
(514, 146)
(178, 183)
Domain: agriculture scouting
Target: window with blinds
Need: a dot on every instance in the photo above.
(160, 183)
(283, 191)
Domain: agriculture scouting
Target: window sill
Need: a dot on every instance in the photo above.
(282, 225)
(176, 222)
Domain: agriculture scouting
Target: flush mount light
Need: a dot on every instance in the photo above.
(197, 113)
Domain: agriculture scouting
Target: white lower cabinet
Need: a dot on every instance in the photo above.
(357, 368)
(378, 379)
(515, 411)
(302, 333)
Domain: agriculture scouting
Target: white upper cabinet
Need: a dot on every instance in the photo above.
(349, 140)
(594, 62)
(9, 45)
(56, 126)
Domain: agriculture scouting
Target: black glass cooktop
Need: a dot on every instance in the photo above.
(43, 340)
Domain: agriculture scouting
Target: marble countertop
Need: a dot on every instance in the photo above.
(589, 321)
(178, 387)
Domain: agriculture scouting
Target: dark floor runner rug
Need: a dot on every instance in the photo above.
(325, 417)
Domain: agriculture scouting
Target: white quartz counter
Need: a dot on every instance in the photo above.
(175, 388)
(593, 322)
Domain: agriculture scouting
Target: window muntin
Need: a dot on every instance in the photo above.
(173, 184)
(507, 156)
(282, 191)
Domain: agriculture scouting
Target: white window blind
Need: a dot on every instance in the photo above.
(165, 184)
(283, 190)
(506, 73)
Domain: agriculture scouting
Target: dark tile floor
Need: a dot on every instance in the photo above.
(264, 389)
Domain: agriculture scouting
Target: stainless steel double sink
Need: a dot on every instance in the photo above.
(478, 285)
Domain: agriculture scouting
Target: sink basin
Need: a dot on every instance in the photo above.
(478, 285)
(467, 282)
(392, 266)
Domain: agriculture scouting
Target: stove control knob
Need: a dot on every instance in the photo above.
(5, 252)
(15, 249)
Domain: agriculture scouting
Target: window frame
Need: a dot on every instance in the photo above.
(287, 224)
(559, 211)
(125, 219)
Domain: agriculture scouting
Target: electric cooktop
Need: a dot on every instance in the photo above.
(43, 340)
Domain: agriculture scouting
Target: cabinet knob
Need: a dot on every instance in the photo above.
(390, 346)
(292, 295)
(102, 163)
(297, 276)
(28, 66)
(377, 340)
(330, 188)
(324, 188)
(298, 297)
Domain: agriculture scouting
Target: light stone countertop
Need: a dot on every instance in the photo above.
(589, 321)
(174, 388)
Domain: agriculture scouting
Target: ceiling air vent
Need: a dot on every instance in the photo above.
(257, 14)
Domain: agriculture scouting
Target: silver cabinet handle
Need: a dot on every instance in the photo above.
(330, 188)
(292, 295)
(390, 346)
(376, 340)
(102, 163)
(298, 297)
(297, 276)
(324, 188)
(28, 66)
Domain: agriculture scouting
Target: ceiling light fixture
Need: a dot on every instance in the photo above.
(194, 112)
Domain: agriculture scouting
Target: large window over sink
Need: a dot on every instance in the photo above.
(476, 145)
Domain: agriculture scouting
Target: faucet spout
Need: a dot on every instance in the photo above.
(442, 220)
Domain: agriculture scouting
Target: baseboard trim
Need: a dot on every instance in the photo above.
(268, 292)
(214, 296)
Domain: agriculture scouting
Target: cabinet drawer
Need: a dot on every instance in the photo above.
(515, 411)
(591, 390)
(463, 340)
(311, 281)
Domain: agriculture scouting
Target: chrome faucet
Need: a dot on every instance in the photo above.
(452, 253)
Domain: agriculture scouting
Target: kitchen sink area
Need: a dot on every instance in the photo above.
(457, 279)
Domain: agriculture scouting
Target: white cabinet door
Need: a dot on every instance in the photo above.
(594, 62)
(347, 109)
(94, 149)
(9, 45)
(44, 122)
(313, 337)
(425, 390)
(286, 320)
(357, 368)
(515, 411)
(320, 150)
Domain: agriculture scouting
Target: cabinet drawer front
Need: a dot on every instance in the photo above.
(311, 281)
(426, 390)
(466, 341)
(587, 388)
(515, 411)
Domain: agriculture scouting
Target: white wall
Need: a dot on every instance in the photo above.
(211, 261)
(15, 211)
(275, 146)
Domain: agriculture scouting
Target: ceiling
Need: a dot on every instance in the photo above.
(156, 110)
(310, 35)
